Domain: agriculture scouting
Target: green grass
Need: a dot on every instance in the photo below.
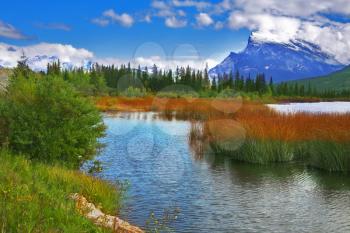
(338, 81)
(35, 197)
(328, 156)
(257, 151)
(325, 155)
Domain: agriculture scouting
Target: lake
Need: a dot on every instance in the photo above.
(318, 107)
(214, 193)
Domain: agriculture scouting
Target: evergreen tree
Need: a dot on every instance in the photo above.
(22, 69)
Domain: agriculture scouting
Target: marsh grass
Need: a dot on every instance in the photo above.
(35, 197)
(330, 156)
(257, 151)
(325, 155)
(318, 140)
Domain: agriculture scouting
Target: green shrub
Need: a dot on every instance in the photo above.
(177, 94)
(48, 121)
(133, 92)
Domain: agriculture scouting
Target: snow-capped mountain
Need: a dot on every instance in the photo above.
(39, 63)
(39, 56)
(282, 61)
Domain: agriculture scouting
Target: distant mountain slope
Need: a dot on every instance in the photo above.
(294, 60)
(339, 80)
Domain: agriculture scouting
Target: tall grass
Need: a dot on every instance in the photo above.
(328, 155)
(319, 140)
(34, 197)
(258, 151)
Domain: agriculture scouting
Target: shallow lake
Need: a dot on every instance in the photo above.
(319, 107)
(214, 193)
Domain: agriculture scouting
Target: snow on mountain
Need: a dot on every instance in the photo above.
(39, 63)
(40, 55)
(282, 61)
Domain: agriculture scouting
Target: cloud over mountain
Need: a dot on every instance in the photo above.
(39, 55)
(43, 53)
(270, 20)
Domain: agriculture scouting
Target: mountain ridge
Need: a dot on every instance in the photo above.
(283, 61)
(338, 81)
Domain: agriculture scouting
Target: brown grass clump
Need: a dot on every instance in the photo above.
(259, 121)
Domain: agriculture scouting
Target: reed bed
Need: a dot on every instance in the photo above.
(252, 132)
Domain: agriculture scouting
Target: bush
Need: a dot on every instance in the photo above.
(48, 121)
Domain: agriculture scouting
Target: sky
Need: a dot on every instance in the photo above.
(169, 32)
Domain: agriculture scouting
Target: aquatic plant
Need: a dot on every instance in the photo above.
(318, 140)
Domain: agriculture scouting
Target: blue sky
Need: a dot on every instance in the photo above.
(120, 30)
(115, 40)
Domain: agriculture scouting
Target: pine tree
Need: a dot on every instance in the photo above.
(22, 69)
(214, 84)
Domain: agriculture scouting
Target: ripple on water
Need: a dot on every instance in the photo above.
(216, 194)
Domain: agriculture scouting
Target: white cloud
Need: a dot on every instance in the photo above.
(41, 54)
(200, 5)
(272, 28)
(282, 21)
(219, 25)
(147, 18)
(204, 20)
(9, 31)
(163, 9)
(9, 54)
(166, 64)
(332, 37)
(123, 19)
(173, 22)
(54, 26)
(300, 8)
(159, 5)
(181, 13)
(100, 22)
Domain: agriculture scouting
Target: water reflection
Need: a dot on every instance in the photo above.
(215, 193)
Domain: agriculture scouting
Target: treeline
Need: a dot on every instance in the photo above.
(115, 80)
(295, 89)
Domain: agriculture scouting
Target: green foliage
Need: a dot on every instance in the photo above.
(80, 80)
(54, 68)
(228, 93)
(337, 81)
(309, 89)
(35, 197)
(98, 83)
(47, 120)
(133, 92)
(22, 69)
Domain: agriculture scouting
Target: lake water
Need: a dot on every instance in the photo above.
(214, 193)
(319, 107)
